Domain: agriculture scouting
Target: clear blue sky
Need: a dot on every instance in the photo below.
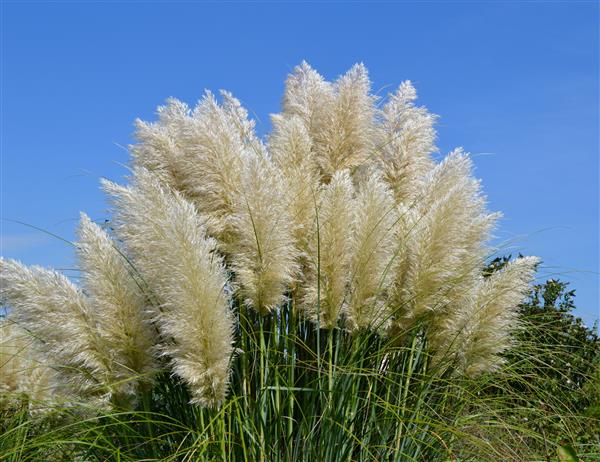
(515, 83)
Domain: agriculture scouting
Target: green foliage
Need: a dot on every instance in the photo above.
(555, 369)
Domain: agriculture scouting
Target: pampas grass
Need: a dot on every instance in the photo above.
(23, 371)
(60, 319)
(373, 255)
(167, 242)
(319, 296)
(329, 252)
(119, 306)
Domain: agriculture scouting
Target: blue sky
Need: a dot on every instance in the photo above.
(515, 84)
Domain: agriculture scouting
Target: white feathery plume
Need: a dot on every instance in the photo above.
(219, 141)
(330, 251)
(452, 183)
(309, 97)
(218, 163)
(481, 329)
(345, 141)
(261, 251)
(23, 372)
(374, 258)
(406, 142)
(159, 148)
(120, 308)
(443, 248)
(166, 241)
(259, 243)
(290, 144)
(338, 117)
(199, 153)
(47, 304)
(290, 147)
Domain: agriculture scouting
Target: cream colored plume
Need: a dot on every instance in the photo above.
(166, 240)
(345, 141)
(57, 314)
(115, 293)
(261, 250)
(339, 117)
(374, 256)
(442, 243)
(291, 149)
(330, 251)
(160, 146)
(406, 143)
(23, 371)
(199, 153)
(212, 156)
(309, 97)
(481, 328)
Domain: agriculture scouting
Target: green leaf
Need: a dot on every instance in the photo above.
(566, 453)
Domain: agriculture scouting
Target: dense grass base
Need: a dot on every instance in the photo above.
(297, 393)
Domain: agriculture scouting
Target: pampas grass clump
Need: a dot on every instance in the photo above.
(340, 225)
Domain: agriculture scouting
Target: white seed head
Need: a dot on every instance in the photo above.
(480, 329)
(166, 240)
(23, 370)
(116, 294)
(374, 257)
(329, 251)
(405, 143)
(47, 304)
